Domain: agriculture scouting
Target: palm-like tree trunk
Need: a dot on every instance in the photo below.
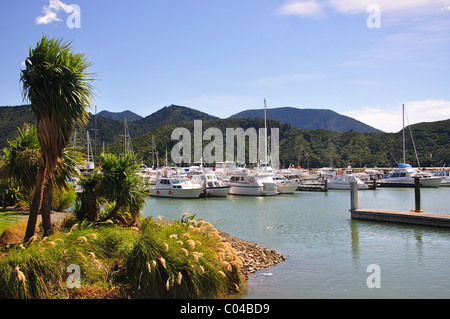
(36, 201)
(46, 210)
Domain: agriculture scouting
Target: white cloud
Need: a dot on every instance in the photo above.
(314, 8)
(278, 81)
(387, 6)
(51, 11)
(389, 118)
(309, 8)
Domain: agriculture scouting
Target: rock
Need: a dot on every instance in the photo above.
(255, 257)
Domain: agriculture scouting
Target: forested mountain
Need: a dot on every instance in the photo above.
(310, 119)
(318, 148)
(304, 147)
(120, 116)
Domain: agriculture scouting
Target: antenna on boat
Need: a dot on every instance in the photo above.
(403, 113)
(265, 132)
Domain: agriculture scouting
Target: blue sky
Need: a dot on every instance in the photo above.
(224, 56)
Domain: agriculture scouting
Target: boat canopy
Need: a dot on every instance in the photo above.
(403, 165)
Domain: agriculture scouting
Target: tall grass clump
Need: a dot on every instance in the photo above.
(181, 260)
(38, 269)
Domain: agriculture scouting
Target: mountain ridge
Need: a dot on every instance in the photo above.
(310, 119)
(120, 116)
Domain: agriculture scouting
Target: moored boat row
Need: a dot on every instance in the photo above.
(199, 181)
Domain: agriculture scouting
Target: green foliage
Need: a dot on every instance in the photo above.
(63, 199)
(178, 260)
(21, 158)
(121, 183)
(181, 261)
(118, 188)
(43, 263)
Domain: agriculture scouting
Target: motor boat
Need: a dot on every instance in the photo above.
(148, 174)
(403, 176)
(284, 185)
(445, 177)
(176, 187)
(252, 184)
(210, 183)
(343, 182)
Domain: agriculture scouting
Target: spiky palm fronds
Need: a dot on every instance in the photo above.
(60, 90)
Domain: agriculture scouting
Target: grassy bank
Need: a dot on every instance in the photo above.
(184, 259)
(9, 217)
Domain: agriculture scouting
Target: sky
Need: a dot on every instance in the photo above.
(360, 58)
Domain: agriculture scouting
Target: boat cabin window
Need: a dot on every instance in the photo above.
(398, 175)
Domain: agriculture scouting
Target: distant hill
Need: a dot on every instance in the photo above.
(172, 114)
(310, 119)
(11, 118)
(120, 116)
(307, 147)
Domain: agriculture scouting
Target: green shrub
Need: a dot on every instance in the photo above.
(184, 259)
(63, 199)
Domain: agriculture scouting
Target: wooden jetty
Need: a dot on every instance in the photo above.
(414, 217)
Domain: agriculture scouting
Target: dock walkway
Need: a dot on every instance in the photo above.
(401, 217)
(416, 216)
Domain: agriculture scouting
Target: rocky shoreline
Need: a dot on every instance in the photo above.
(255, 256)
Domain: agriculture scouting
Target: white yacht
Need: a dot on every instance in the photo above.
(445, 177)
(343, 182)
(247, 183)
(210, 183)
(175, 187)
(326, 172)
(284, 185)
(224, 170)
(148, 174)
(403, 176)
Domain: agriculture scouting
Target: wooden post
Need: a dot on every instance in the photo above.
(353, 194)
(417, 196)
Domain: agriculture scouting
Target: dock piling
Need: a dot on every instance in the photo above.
(417, 196)
(353, 194)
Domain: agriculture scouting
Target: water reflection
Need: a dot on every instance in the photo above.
(328, 252)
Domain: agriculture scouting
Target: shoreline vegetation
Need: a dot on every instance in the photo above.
(183, 258)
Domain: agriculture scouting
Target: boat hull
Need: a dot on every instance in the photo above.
(176, 193)
(424, 182)
(346, 186)
(220, 191)
(287, 188)
(248, 190)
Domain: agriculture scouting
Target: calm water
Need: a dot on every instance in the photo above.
(327, 252)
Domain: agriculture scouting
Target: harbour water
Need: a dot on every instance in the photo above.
(327, 253)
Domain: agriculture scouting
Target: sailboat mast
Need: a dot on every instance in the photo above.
(265, 131)
(403, 112)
